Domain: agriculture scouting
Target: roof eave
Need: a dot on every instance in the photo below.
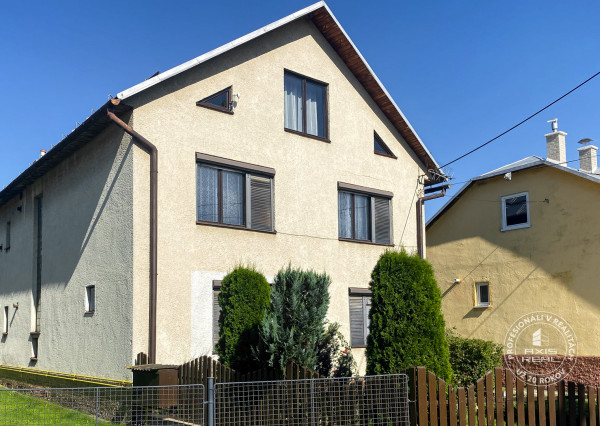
(325, 21)
(83, 134)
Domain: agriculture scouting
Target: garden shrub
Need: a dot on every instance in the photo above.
(244, 298)
(334, 356)
(407, 326)
(472, 358)
(295, 320)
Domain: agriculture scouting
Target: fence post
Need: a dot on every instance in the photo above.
(211, 401)
(312, 402)
(97, 403)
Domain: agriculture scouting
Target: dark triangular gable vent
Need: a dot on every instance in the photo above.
(381, 148)
(220, 101)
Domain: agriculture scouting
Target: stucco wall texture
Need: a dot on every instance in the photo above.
(551, 266)
(87, 238)
(307, 173)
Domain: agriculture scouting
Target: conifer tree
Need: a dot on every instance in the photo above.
(407, 326)
(244, 298)
(295, 321)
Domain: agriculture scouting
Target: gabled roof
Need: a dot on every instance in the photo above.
(321, 16)
(525, 163)
(325, 21)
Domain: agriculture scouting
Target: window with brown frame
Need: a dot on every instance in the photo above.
(216, 313)
(305, 106)
(380, 148)
(220, 101)
(235, 194)
(364, 214)
(360, 305)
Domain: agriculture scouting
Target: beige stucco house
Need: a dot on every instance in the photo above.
(520, 239)
(279, 147)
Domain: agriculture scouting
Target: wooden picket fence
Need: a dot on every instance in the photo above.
(500, 399)
(200, 369)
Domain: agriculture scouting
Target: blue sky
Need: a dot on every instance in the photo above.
(462, 72)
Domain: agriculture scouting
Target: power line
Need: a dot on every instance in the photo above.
(525, 120)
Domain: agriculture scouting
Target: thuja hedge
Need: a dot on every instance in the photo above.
(244, 298)
(407, 326)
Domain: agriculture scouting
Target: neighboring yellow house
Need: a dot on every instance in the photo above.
(519, 239)
(279, 147)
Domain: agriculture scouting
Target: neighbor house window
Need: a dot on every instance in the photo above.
(364, 214)
(234, 193)
(305, 105)
(515, 211)
(216, 311)
(360, 305)
(5, 324)
(482, 295)
(90, 299)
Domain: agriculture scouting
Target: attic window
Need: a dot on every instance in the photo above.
(515, 211)
(220, 101)
(380, 148)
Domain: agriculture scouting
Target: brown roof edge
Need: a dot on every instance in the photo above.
(83, 134)
(335, 35)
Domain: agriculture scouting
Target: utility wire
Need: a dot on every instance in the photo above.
(525, 120)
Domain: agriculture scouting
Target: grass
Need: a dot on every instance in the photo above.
(20, 409)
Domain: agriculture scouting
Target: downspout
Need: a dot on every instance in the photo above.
(153, 227)
(420, 202)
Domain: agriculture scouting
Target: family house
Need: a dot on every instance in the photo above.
(279, 147)
(520, 239)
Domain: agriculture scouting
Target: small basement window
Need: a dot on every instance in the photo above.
(515, 211)
(482, 295)
(90, 299)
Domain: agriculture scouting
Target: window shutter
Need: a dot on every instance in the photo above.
(357, 325)
(261, 210)
(382, 221)
(216, 313)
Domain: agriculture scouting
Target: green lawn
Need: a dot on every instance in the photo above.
(22, 409)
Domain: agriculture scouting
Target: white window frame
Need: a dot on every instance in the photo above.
(478, 302)
(5, 325)
(527, 224)
(90, 298)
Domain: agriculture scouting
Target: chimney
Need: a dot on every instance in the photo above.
(555, 145)
(42, 152)
(588, 159)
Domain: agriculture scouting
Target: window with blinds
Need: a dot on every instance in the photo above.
(216, 314)
(234, 194)
(360, 305)
(364, 216)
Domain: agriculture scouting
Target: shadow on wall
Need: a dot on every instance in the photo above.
(558, 244)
